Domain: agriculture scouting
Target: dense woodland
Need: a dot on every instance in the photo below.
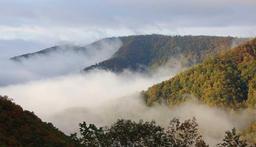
(22, 128)
(147, 52)
(226, 80)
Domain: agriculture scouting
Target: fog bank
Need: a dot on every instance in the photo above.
(101, 97)
(66, 59)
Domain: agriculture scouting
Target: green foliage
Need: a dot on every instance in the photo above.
(232, 139)
(143, 134)
(128, 133)
(23, 128)
(225, 80)
(122, 133)
(184, 134)
(91, 136)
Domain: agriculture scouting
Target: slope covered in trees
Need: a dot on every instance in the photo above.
(145, 52)
(228, 79)
(19, 127)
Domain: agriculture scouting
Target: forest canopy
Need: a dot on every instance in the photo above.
(226, 80)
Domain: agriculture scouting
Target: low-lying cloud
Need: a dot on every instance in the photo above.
(101, 97)
(65, 60)
(80, 90)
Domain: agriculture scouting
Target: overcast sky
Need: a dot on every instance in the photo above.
(47, 22)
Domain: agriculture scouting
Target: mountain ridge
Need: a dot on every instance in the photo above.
(66, 47)
(147, 52)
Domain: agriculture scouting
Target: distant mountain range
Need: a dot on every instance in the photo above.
(147, 52)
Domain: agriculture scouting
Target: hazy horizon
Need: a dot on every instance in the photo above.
(28, 26)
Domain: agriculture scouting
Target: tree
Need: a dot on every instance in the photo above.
(232, 139)
(141, 134)
(91, 136)
(131, 133)
(184, 134)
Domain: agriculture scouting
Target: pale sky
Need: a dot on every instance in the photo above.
(35, 24)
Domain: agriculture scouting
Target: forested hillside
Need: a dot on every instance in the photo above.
(19, 127)
(228, 79)
(145, 52)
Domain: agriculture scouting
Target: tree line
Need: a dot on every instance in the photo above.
(128, 133)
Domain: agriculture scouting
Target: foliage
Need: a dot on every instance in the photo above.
(22, 128)
(128, 133)
(91, 136)
(232, 139)
(226, 80)
(184, 134)
(122, 133)
(142, 134)
(251, 102)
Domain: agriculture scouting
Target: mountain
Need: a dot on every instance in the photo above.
(146, 52)
(19, 127)
(48, 51)
(86, 50)
(228, 80)
(60, 60)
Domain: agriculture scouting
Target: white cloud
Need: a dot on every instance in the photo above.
(66, 60)
(102, 97)
(84, 35)
(86, 21)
